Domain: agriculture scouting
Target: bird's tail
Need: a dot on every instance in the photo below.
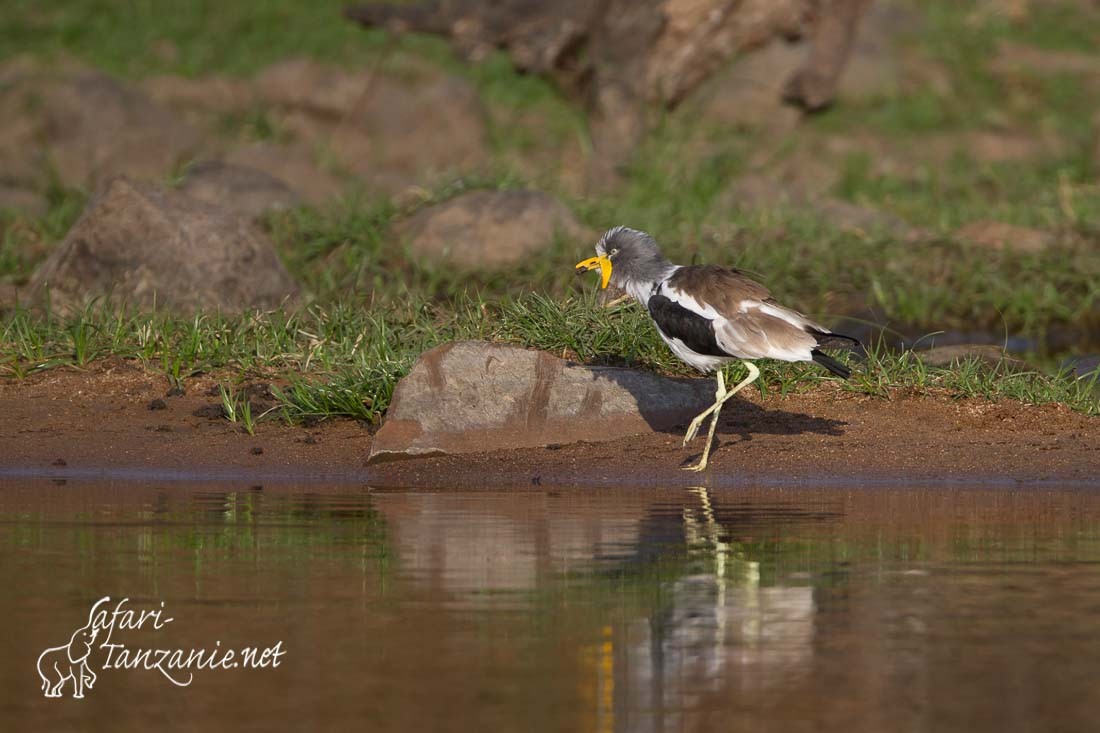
(831, 364)
(826, 340)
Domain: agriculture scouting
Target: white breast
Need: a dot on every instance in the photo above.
(702, 362)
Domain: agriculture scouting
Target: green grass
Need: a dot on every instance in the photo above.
(346, 360)
(145, 37)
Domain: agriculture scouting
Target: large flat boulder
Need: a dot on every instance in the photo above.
(474, 396)
(146, 245)
(623, 56)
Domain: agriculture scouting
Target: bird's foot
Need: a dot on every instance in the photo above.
(693, 429)
(700, 466)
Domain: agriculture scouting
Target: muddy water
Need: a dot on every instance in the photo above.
(786, 610)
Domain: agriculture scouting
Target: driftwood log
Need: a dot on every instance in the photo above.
(620, 58)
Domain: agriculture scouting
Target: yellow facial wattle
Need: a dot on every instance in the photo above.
(602, 262)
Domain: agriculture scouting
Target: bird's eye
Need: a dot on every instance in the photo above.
(612, 253)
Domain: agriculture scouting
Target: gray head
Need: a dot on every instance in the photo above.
(628, 257)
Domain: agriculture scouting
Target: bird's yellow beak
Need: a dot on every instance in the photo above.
(602, 262)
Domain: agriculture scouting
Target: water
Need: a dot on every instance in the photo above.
(786, 610)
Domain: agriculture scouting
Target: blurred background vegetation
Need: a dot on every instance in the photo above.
(950, 195)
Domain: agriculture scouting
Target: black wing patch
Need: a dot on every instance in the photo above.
(676, 321)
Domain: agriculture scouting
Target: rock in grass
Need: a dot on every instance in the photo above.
(760, 192)
(145, 245)
(84, 127)
(392, 128)
(474, 396)
(294, 164)
(488, 229)
(1001, 236)
(22, 201)
(247, 191)
(988, 354)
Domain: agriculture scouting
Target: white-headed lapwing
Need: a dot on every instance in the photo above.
(710, 315)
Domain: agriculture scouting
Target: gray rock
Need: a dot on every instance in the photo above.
(1083, 367)
(765, 192)
(488, 229)
(474, 396)
(632, 54)
(393, 131)
(244, 190)
(1096, 142)
(998, 235)
(21, 200)
(750, 93)
(942, 356)
(292, 163)
(213, 94)
(147, 245)
(1087, 368)
(328, 91)
(87, 127)
(875, 66)
(1016, 59)
(9, 296)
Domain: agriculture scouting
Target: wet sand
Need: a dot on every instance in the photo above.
(116, 419)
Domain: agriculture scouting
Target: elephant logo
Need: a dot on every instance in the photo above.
(69, 662)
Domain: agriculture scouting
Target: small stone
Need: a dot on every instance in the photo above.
(294, 164)
(158, 404)
(24, 201)
(488, 229)
(59, 462)
(210, 412)
(942, 356)
(248, 191)
(762, 192)
(1014, 59)
(1000, 236)
(1083, 367)
(257, 450)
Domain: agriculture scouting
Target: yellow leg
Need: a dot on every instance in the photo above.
(717, 408)
(693, 429)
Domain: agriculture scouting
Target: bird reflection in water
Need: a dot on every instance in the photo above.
(719, 631)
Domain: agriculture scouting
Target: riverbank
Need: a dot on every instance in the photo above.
(117, 419)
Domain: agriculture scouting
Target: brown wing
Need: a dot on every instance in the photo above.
(754, 325)
(722, 288)
(755, 334)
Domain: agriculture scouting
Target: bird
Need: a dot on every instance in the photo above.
(710, 315)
